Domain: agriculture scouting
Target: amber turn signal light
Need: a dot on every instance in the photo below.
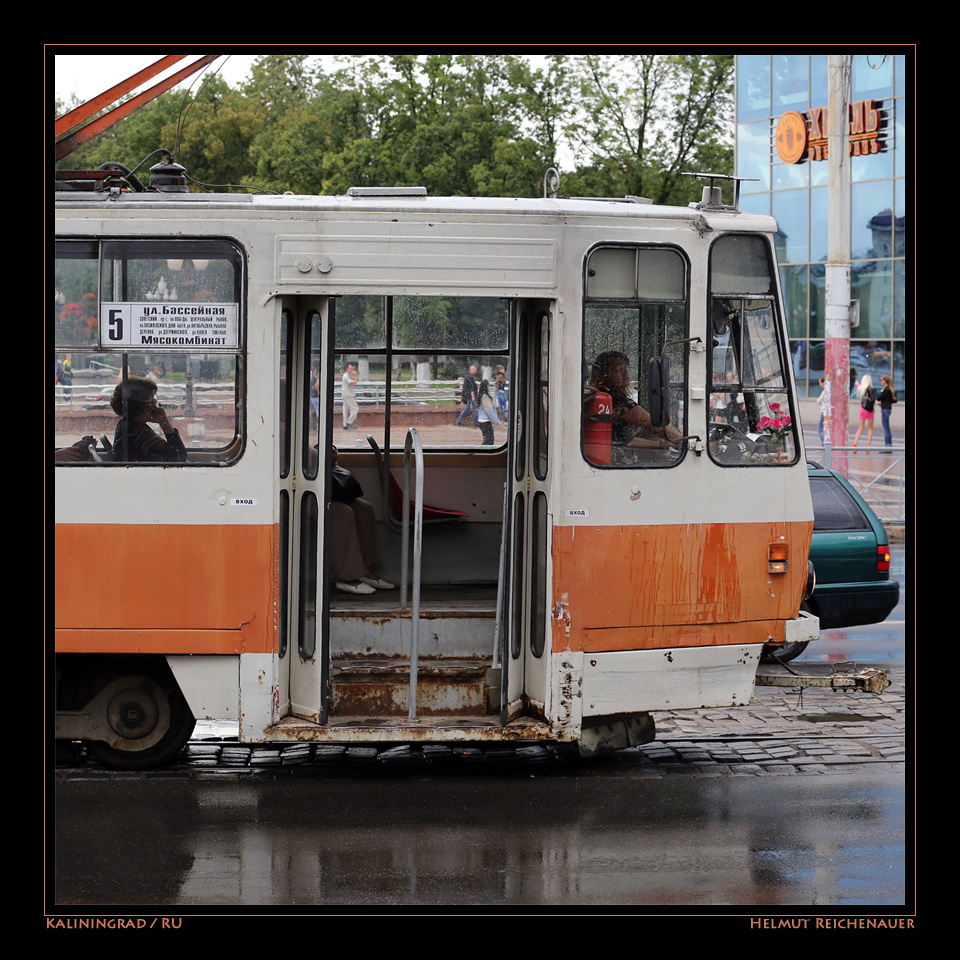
(777, 555)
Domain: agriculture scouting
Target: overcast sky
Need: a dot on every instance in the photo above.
(87, 75)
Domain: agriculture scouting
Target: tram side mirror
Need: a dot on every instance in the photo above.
(658, 380)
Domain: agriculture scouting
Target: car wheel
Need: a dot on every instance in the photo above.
(783, 653)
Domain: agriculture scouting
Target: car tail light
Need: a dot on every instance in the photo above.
(883, 557)
(777, 556)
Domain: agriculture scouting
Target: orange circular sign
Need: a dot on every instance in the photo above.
(791, 137)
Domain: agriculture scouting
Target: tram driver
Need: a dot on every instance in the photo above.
(631, 427)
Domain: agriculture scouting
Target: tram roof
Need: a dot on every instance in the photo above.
(547, 208)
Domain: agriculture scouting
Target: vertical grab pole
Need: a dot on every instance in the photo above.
(405, 526)
(413, 440)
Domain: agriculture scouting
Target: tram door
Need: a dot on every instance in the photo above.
(304, 463)
(526, 653)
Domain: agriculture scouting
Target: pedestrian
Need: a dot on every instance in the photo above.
(66, 378)
(468, 396)
(824, 401)
(887, 399)
(867, 401)
(487, 414)
(500, 384)
(348, 394)
(315, 392)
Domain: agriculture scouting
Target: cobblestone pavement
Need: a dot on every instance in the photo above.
(781, 732)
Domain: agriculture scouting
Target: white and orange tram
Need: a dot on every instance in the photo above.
(630, 541)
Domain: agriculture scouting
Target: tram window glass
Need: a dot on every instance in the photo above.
(635, 309)
(751, 420)
(285, 386)
(310, 436)
(160, 311)
(76, 297)
(542, 412)
(538, 575)
(411, 355)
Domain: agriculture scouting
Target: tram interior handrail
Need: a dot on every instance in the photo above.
(412, 445)
(392, 500)
(383, 469)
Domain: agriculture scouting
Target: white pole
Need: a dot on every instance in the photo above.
(837, 319)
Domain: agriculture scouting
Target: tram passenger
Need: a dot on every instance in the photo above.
(354, 553)
(631, 425)
(135, 401)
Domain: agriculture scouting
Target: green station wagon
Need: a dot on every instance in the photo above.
(850, 554)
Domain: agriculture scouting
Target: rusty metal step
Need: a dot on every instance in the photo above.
(446, 686)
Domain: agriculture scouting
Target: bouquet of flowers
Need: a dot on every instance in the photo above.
(775, 428)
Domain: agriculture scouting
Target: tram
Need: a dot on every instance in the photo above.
(631, 541)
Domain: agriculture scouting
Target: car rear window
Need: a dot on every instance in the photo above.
(834, 508)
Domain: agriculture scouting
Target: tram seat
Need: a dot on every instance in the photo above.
(392, 494)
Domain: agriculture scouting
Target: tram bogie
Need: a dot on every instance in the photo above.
(625, 544)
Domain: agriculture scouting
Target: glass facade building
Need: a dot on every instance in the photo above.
(770, 86)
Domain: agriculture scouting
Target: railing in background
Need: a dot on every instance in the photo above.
(877, 472)
(85, 395)
(435, 393)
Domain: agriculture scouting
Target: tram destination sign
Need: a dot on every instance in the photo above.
(175, 327)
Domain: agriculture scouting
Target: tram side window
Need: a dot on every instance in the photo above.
(751, 421)
(411, 361)
(635, 309)
(148, 364)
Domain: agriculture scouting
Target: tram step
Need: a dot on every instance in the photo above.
(380, 687)
(387, 633)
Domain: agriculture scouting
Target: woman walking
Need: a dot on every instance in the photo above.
(487, 414)
(867, 401)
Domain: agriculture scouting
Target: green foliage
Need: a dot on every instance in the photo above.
(649, 118)
(360, 323)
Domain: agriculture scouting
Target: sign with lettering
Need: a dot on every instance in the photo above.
(170, 327)
(800, 137)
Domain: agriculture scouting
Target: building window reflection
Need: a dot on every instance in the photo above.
(796, 194)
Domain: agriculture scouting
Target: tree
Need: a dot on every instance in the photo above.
(648, 118)
(453, 124)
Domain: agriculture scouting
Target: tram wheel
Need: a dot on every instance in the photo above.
(148, 718)
(783, 653)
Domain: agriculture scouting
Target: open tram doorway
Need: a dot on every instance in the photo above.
(483, 643)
